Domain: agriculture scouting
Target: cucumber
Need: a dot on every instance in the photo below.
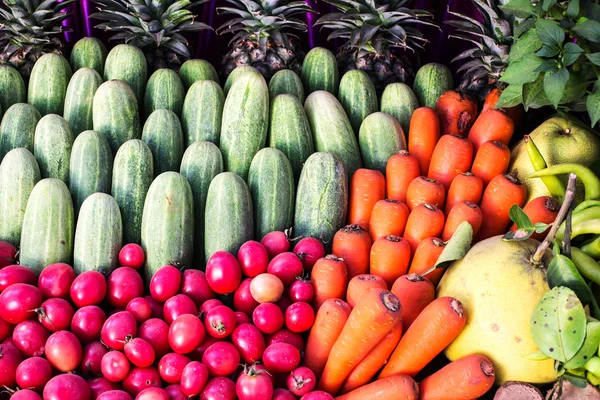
(79, 101)
(331, 129)
(358, 97)
(18, 128)
(88, 52)
(168, 223)
(322, 198)
(202, 112)
(271, 182)
(19, 172)
(48, 82)
(235, 74)
(201, 162)
(245, 122)
(289, 131)
(228, 218)
(430, 82)
(48, 226)
(52, 146)
(98, 235)
(197, 70)
(90, 170)
(320, 71)
(380, 137)
(162, 133)
(164, 90)
(128, 64)
(399, 101)
(12, 88)
(115, 113)
(131, 178)
(286, 81)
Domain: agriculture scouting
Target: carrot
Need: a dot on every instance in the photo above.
(329, 277)
(388, 218)
(400, 170)
(491, 125)
(457, 112)
(366, 188)
(491, 159)
(467, 378)
(463, 211)
(372, 318)
(516, 112)
(425, 190)
(452, 155)
(425, 220)
(499, 196)
(361, 284)
(372, 363)
(329, 322)
(464, 187)
(390, 258)
(425, 257)
(353, 244)
(541, 209)
(423, 135)
(415, 293)
(433, 330)
(397, 387)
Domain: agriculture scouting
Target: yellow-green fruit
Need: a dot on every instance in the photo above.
(499, 287)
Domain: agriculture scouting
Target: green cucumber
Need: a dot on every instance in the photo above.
(331, 129)
(162, 133)
(430, 82)
(12, 87)
(18, 128)
(399, 101)
(320, 71)
(286, 81)
(52, 146)
(131, 178)
(168, 223)
(164, 90)
(115, 113)
(48, 82)
(322, 198)
(79, 101)
(235, 74)
(380, 137)
(98, 235)
(228, 218)
(358, 97)
(289, 131)
(271, 182)
(201, 162)
(203, 112)
(245, 122)
(19, 172)
(88, 52)
(48, 226)
(197, 70)
(128, 64)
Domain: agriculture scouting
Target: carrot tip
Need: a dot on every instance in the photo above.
(487, 368)
(333, 257)
(552, 204)
(390, 301)
(457, 307)
(513, 179)
(414, 277)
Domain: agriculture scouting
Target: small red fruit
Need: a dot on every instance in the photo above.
(132, 256)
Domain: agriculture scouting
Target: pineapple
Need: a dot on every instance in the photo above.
(155, 26)
(377, 36)
(30, 29)
(262, 37)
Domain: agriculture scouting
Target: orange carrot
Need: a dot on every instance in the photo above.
(463, 211)
(329, 277)
(425, 190)
(361, 284)
(491, 99)
(516, 112)
(464, 187)
(372, 363)
(467, 378)
(425, 220)
(390, 258)
(415, 293)
(423, 135)
(491, 159)
(425, 257)
(452, 155)
(388, 218)
(401, 169)
(329, 322)
(433, 330)
(397, 387)
(353, 244)
(499, 196)
(491, 125)
(457, 112)
(372, 318)
(366, 188)
(541, 209)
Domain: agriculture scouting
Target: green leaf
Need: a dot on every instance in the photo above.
(536, 356)
(457, 247)
(562, 272)
(518, 216)
(526, 44)
(589, 30)
(576, 88)
(522, 71)
(549, 32)
(571, 53)
(549, 65)
(540, 227)
(594, 58)
(511, 96)
(577, 381)
(589, 348)
(573, 8)
(547, 4)
(518, 8)
(548, 51)
(592, 104)
(533, 94)
(555, 84)
(520, 27)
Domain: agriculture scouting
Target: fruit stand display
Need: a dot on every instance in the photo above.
(299, 221)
